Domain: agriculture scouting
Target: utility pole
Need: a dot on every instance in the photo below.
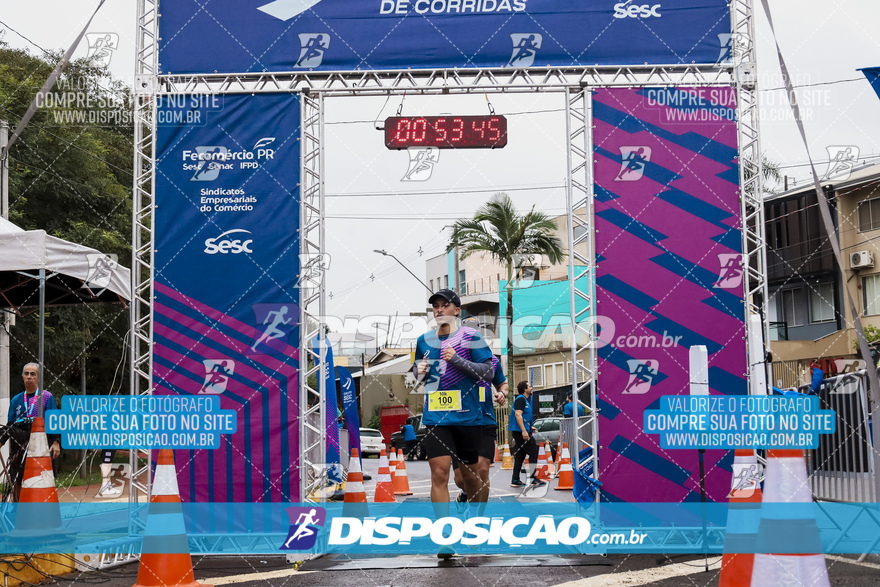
(5, 321)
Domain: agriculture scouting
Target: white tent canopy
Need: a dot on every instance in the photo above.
(74, 273)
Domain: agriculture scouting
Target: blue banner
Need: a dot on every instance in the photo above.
(413, 528)
(873, 75)
(226, 306)
(246, 36)
(350, 408)
(331, 409)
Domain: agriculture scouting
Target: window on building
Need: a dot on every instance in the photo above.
(432, 285)
(792, 307)
(445, 281)
(462, 282)
(554, 374)
(581, 374)
(871, 287)
(822, 302)
(869, 215)
(536, 376)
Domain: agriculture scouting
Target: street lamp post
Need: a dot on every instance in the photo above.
(387, 254)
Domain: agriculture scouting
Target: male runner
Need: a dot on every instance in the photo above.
(453, 360)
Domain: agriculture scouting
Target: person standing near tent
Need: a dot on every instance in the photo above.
(22, 410)
(452, 360)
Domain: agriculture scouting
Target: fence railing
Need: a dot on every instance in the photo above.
(842, 468)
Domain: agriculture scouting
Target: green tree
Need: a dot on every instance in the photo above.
(71, 175)
(499, 230)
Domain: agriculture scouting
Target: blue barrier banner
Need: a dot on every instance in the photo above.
(504, 527)
(246, 36)
(226, 306)
(350, 408)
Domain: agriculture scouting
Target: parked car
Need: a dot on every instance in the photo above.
(547, 429)
(371, 442)
(397, 442)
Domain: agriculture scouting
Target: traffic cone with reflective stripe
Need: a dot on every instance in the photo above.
(38, 487)
(542, 472)
(507, 460)
(165, 559)
(551, 468)
(392, 463)
(788, 524)
(354, 503)
(566, 473)
(401, 481)
(384, 485)
(743, 517)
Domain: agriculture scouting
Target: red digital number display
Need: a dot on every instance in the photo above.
(446, 132)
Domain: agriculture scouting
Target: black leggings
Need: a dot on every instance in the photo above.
(521, 448)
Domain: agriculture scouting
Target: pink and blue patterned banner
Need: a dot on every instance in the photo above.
(669, 276)
(226, 304)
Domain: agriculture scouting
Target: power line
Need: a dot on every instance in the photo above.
(25, 38)
(444, 192)
(831, 83)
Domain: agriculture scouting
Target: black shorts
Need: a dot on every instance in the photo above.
(487, 444)
(459, 442)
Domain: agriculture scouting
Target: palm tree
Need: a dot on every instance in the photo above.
(497, 229)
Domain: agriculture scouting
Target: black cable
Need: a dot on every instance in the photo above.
(26, 39)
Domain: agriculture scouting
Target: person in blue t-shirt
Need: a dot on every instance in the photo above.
(568, 410)
(520, 428)
(409, 437)
(451, 360)
(23, 408)
(488, 437)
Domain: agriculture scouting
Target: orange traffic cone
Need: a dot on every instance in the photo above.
(355, 495)
(542, 472)
(743, 517)
(551, 468)
(496, 458)
(566, 473)
(786, 482)
(392, 463)
(401, 481)
(507, 460)
(38, 487)
(165, 559)
(384, 485)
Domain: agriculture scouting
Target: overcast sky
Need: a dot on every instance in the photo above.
(824, 43)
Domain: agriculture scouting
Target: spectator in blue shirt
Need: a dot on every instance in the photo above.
(568, 410)
(409, 436)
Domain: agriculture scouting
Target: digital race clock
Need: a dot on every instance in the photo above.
(446, 132)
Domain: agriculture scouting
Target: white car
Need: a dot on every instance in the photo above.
(371, 442)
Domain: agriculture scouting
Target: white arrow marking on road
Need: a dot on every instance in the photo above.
(287, 9)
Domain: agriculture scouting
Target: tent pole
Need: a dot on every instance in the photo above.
(42, 331)
(5, 321)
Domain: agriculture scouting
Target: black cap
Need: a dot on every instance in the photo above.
(448, 295)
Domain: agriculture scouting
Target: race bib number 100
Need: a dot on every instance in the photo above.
(445, 400)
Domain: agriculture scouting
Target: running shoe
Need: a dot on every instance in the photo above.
(517, 483)
(461, 502)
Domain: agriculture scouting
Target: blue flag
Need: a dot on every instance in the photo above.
(334, 470)
(873, 75)
(350, 408)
